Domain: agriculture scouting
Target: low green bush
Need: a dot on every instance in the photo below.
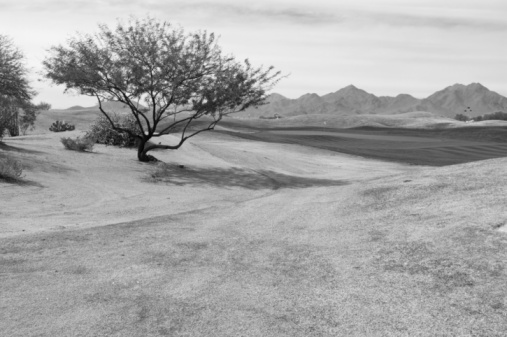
(103, 133)
(79, 144)
(10, 170)
(60, 126)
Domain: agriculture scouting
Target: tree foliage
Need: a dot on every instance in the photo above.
(102, 133)
(168, 78)
(461, 117)
(499, 115)
(17, 112)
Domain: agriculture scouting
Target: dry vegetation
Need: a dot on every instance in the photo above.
(10, 170)
(234, 237)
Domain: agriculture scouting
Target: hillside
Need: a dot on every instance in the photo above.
(474, 98)
(249, 239)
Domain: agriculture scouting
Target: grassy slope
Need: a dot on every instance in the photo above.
(414, 254)
(456, 145)
(407, 255)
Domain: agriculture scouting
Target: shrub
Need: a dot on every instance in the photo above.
(103, 133)
(461, 117)
(10, 169)
(60, 126)
(499, 115)
(78, 144)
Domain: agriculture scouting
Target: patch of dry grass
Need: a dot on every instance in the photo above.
(404, 255)
(413, 254)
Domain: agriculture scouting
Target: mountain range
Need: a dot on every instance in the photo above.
(472, 100)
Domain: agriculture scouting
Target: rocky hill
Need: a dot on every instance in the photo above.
(473, 99)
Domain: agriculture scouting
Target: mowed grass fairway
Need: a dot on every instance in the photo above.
(260, 233)
(437, 147)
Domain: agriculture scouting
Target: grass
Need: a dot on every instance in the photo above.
(409, 255)
(232, 177)
(456, 146)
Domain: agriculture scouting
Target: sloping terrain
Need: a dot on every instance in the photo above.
(434, 146)
(249, 238)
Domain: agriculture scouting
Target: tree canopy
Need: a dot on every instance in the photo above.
(17, 112)
(168, 78)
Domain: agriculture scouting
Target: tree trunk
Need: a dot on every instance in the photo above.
(142, 154)
(13, 126)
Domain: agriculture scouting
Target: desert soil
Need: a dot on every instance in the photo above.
(243, 238)
(69, 190)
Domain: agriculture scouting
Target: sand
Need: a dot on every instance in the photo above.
(71, 190)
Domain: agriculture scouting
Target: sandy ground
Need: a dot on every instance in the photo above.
(69, 190)
(249, 239)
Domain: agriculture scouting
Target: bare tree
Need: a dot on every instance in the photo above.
(169, 79)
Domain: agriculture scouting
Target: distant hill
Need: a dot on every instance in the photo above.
(117, 106)
(109, 105)
(76, 107)
(474, 98)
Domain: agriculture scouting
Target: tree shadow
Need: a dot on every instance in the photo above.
(20, 182)
(180, 175)
(10, 148)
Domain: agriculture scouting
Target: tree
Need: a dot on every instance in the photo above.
(17, 113)
(171, 81)
(461, 117)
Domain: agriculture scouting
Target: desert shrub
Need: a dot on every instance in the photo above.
(102, 132)
(10, 169)
(461, 117)
(499, 115)
(79, 144)
(60, 126)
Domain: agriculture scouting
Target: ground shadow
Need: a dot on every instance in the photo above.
(20, 182)
(10, 148)
(234, 177)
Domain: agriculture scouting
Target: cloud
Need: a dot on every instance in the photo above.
(299, 13)
(433, 21)
(296, 12)
(264, 12)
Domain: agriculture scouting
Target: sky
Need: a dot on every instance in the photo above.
(385, 47)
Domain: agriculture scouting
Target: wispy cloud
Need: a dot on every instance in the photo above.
(277, 12)
(432, 21)
(266, 12)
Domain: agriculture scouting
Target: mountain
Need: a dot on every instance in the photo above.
(474, 98)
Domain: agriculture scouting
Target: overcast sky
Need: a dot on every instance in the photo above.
(385, 47)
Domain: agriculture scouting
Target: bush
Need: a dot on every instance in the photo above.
(10, 170)
(462, 118)
(499, 115)
(60, 126)
(78, 144)
(103, 133)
